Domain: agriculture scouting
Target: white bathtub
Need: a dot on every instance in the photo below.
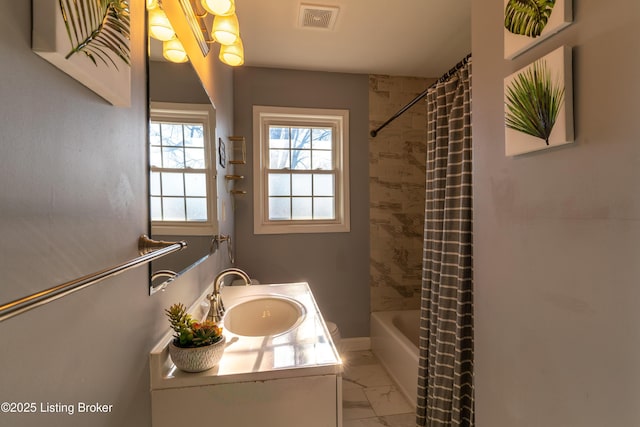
(394, 341)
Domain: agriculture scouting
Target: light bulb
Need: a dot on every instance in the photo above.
(225, 29)
(173, 51)
(152, 4)
(159, 26)
(219, 7)
(232, 54)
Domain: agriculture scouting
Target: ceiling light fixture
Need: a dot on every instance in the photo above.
(232, 54)
(225, 29)
(173, 51)
(220, 7)
(159, 26)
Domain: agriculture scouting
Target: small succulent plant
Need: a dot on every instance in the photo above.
(188, 332)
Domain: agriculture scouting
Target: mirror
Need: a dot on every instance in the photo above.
(179, 84)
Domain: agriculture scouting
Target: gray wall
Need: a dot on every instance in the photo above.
(336, 265)
(169, 82)
(557, 234)
(73, 200)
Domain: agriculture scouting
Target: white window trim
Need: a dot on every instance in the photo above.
(265, 115)
(179, 111)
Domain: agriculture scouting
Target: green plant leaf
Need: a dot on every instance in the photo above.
(533, 101)
(527, 17)
(98, 28)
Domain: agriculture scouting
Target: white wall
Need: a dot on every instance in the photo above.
(73, 200)
(557, 234)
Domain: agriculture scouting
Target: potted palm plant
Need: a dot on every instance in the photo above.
(196, 346)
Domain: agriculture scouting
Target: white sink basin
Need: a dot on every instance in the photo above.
(264, 316)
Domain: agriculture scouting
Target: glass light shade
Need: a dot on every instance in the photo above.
(159, 26)
(225, 29)
(220, 7)
(173, 51)
(152, 4)
(232, 54)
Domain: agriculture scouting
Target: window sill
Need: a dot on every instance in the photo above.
(290, 228)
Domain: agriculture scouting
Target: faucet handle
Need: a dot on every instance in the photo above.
(215, 311)
(220, 310)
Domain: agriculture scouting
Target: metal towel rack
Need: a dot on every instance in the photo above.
(148, 249)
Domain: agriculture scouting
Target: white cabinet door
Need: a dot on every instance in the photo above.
(296, 402)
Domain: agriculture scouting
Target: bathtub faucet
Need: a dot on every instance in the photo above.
(216, 307)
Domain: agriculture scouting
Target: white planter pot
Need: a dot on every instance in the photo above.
(197, 359)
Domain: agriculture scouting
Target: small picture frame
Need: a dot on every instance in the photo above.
(222, 153)
(527, 23)
(538, 104)
(74, 41)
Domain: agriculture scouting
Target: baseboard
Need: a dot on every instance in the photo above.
(355, 344)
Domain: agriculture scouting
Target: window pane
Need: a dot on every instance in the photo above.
(278, 137)
(195, 184)
(156, 209)
(279, 184)
(196, 209)
(323, 208)
(301, 159)
(279, 208)
(173, 157)
(322, 159)
(173, 209)
(172, 184)
(323, 185)
(154, 184)
(154, 133)
(155, 156)
(300, 138)
(301, 185)
(171, 134)
(194, 158)
(194, 135)
(278, 159)
(301, 208)
(322, 138)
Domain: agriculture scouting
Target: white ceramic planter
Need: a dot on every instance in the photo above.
(197, 359)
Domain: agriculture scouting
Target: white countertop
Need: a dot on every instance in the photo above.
(303, 351)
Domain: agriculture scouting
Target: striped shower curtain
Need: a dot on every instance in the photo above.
(445, 377)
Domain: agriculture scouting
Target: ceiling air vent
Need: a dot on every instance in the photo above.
(315, 16)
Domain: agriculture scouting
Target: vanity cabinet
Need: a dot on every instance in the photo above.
(291, 379)
(312, 401)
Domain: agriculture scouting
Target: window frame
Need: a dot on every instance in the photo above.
(263, 117)
(190, 113)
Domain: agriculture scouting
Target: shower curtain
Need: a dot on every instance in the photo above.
(445, 377)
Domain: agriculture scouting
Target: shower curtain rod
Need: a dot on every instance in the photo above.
(444, 77)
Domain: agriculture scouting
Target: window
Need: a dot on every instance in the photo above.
(182, 168)
(301, 177)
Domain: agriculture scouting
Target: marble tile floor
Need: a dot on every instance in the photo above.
(369, 396)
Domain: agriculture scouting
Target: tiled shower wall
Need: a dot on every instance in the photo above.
(397, 158)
